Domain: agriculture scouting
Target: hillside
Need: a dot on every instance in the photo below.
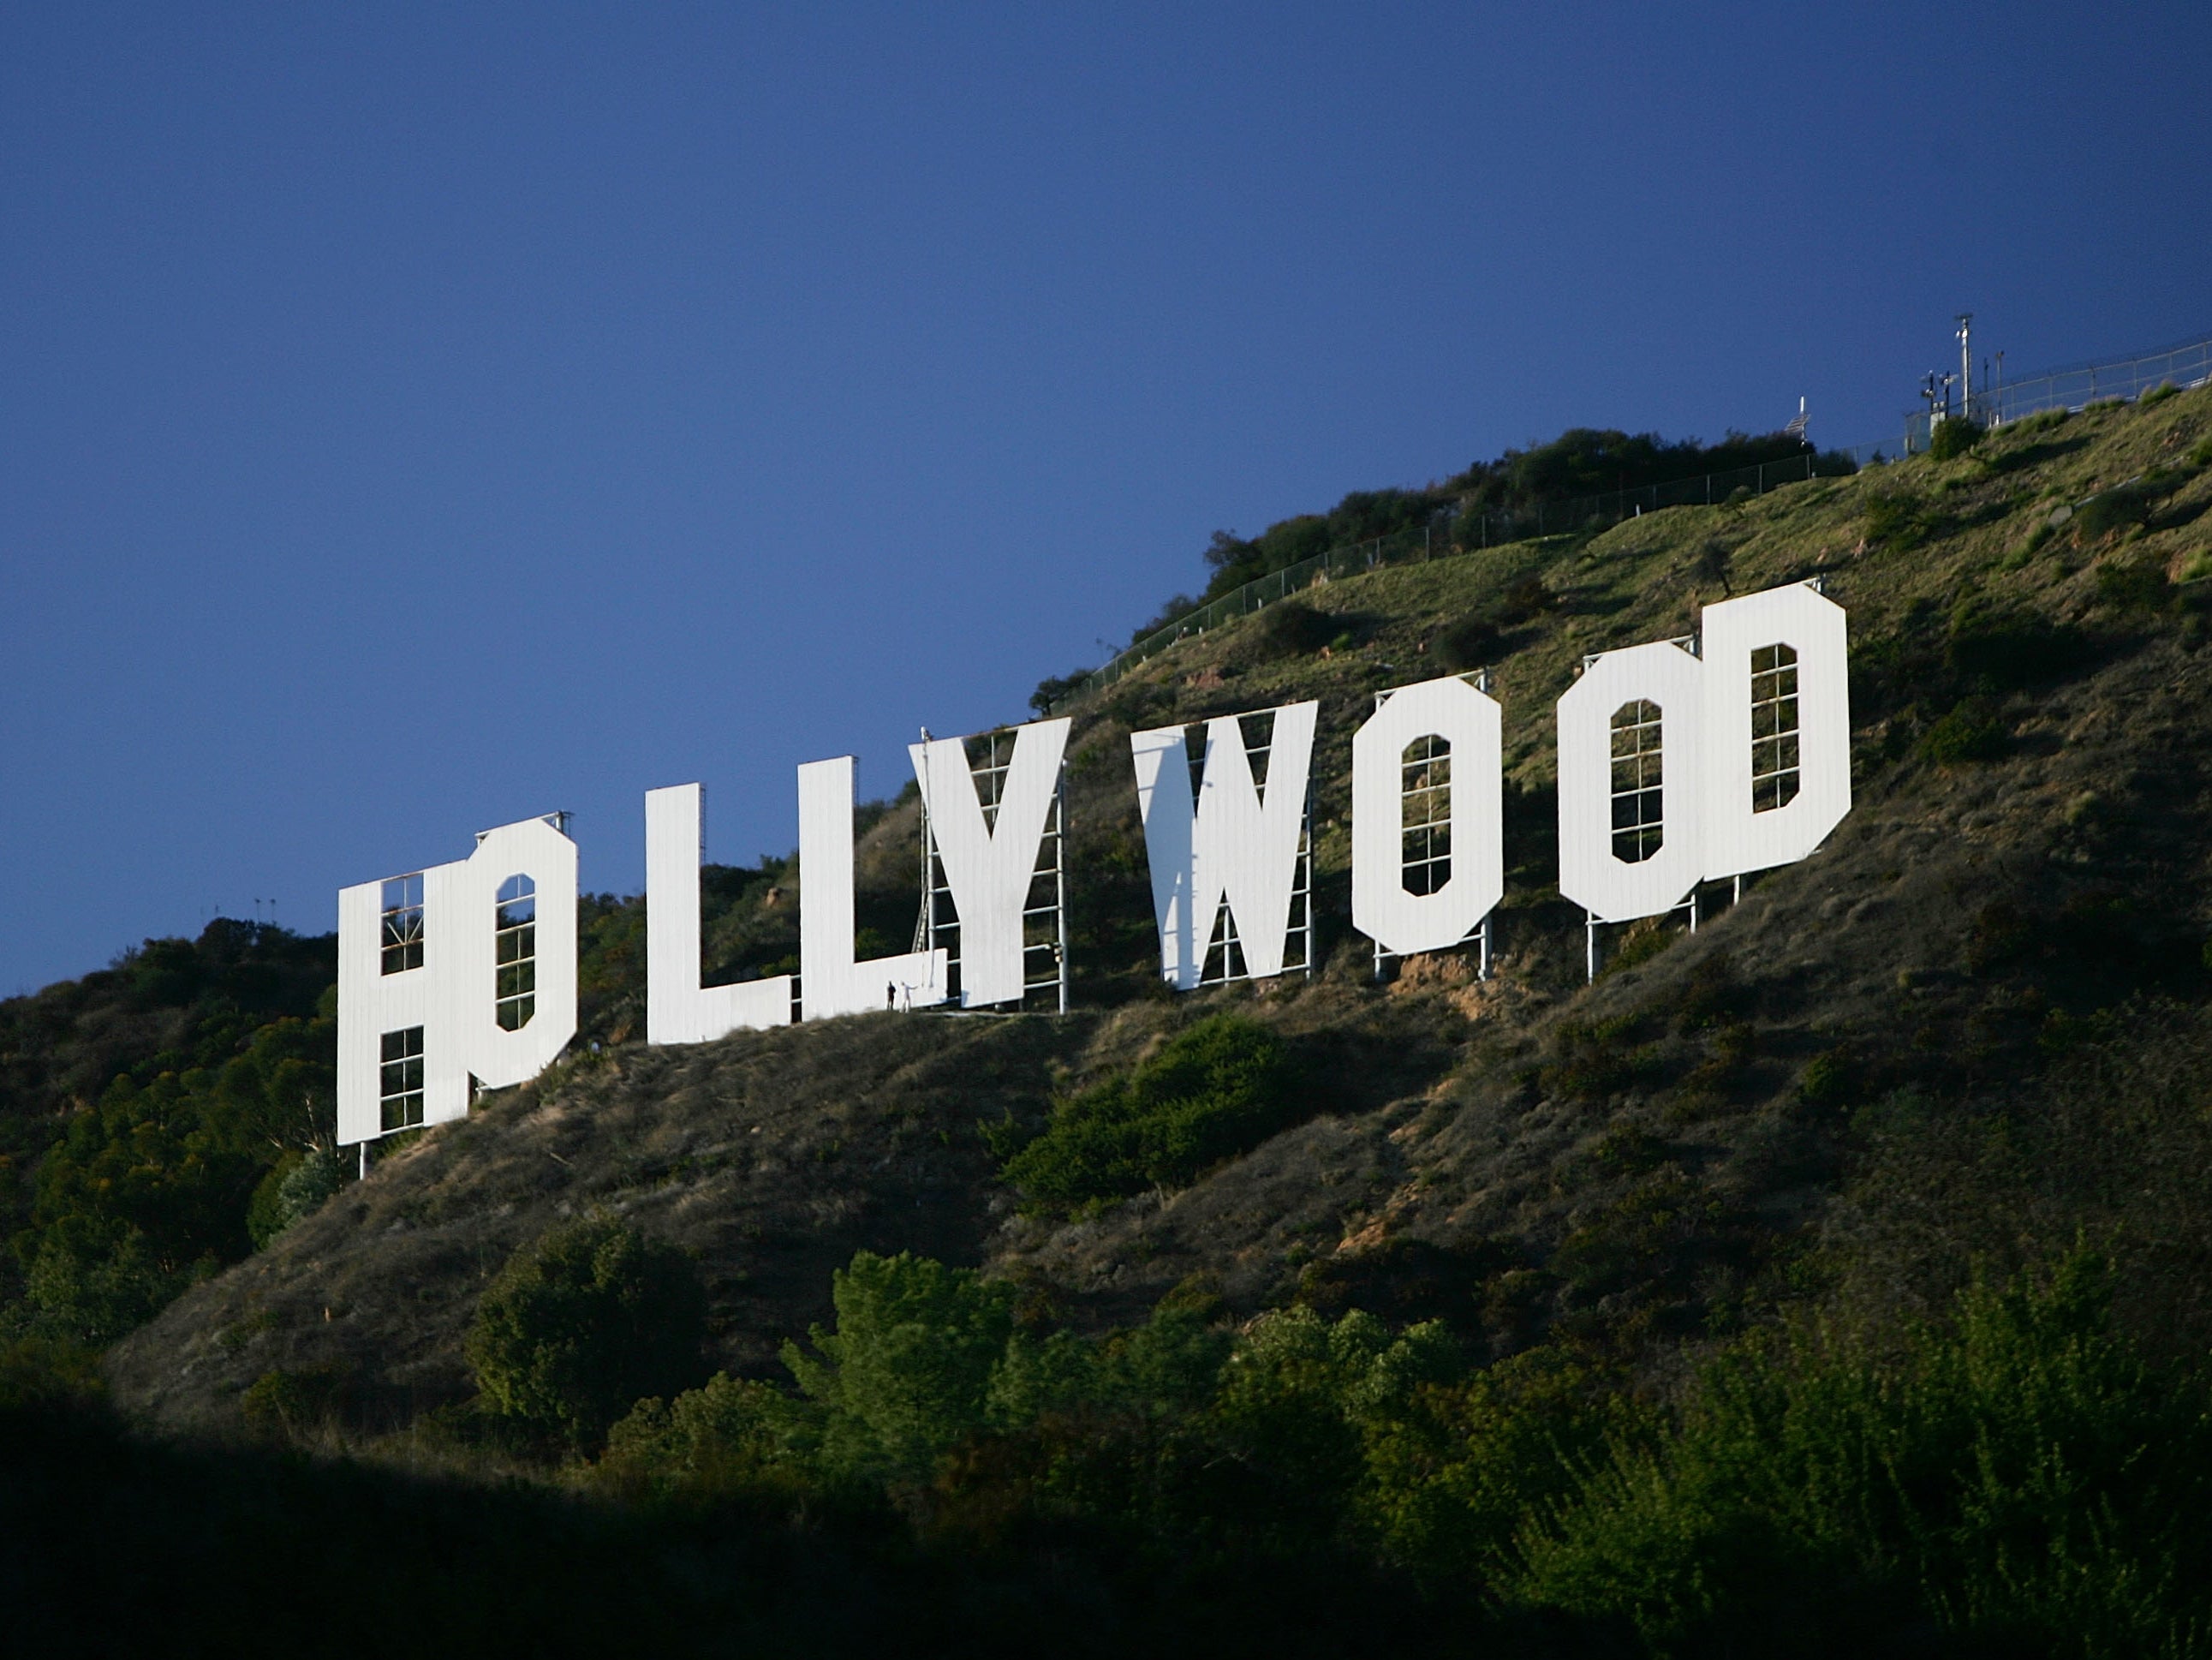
(1830, 1279)
(1783, 1105)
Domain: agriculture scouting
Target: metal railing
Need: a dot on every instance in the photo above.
(1455, 531)
(1452, 532)
(2077, 385)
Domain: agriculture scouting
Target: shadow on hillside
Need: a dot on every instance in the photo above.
(2035, 454)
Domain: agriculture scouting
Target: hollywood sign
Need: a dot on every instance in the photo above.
(1680, 762)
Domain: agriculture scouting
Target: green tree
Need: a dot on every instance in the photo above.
(170, 1177)
(160, 1161)
(2019, 1473)
(580, 1325)
(93, 1279)
(908, 1371)
(1216, 1090)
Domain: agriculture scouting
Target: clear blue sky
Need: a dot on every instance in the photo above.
(412, 419)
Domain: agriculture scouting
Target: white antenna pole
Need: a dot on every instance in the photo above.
(1966, 365)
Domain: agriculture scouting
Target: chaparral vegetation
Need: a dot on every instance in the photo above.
(1836, 1278)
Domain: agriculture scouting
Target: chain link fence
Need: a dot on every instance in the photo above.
(2077, 385)
(1456, 531)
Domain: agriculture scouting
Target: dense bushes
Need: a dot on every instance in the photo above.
(1292, 630)
(909, 1370)
(1995, 650)
(2116, 511)
(1953, 438)
(186, 1078)
(1582, 462)
(1970, 733)
(2017, 1473)
(580, 1325)
(1897, 520)
(2012, 1479)
(1216, 1090)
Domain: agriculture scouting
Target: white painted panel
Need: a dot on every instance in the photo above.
(678, 1008)
(372, 1003)
(1381, 909)
(1737, 839)
(990, 866)
(1235, 843)
(447, 925)
(453, 996)
(1616, 889)
(1165, 806)
(497, 1057)
(829, 982)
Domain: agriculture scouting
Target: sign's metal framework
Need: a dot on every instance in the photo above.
(1417, 784)
(1735, 744)
(1223, 961)
(1045, 965)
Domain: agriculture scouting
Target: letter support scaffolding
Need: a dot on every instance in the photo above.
(1478, 936)
(1045, 965)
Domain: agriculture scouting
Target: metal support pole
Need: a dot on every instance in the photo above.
(925, 923)
(1060, 879)
(1590, 944)
(1306, 836)
(364, 1161)
(1966, 366)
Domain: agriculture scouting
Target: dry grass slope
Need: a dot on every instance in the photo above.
(1836, 1085)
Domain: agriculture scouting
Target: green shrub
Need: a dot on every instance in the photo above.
(1595, 1059)
(1968, 734)
(1527, 600)
(907, 1371)
(2015, 558)
(1894, 520)
(1644, 940)
(2157, 394)
(582, 1324)
(2134, 585)
(292, 1404)
(1471, 641)
(2116, 511)
(2017, 1475)
(728, 1437)
(1218, 1089)
(1291, 628)
(2200, 455)
(1714, 997)
(2002, 651)
(92, 1279)
(1828, 1081)
(924, 1361)
(1453, 1471)
(1056, 688)
(1646, 1241)
(1290, 1441)
(1953, 438)
(44, 1372)
(1140, 703)
(294, 1187)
